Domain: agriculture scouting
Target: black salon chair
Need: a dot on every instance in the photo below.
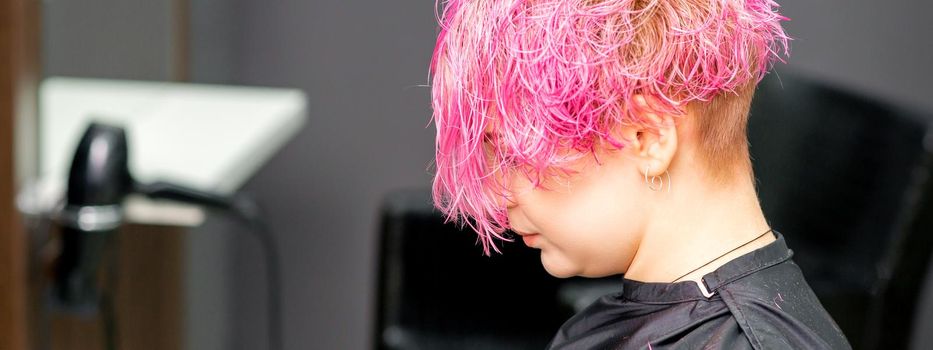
(844, 178)
(438, 291)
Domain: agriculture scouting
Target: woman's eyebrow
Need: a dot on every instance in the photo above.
(492, 136)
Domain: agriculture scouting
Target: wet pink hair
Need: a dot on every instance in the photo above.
(556, 75)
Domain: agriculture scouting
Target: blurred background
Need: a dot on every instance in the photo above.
(362, 67)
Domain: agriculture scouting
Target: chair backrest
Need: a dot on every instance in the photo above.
(838, 175)
(901, 274)
(438, 291)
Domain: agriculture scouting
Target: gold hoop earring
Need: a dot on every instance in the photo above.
(656, 183)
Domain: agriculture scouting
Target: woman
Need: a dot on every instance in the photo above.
(611, 136)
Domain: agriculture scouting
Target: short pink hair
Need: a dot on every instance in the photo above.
(558, 75)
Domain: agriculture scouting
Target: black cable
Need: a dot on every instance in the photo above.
(246, 209)
(250, 212)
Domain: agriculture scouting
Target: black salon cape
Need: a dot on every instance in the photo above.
(760, 301)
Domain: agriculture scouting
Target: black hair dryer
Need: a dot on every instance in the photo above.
(98, 182)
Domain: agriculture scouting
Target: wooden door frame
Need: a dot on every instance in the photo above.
(19, 76)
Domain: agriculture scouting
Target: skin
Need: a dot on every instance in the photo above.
(605, 220)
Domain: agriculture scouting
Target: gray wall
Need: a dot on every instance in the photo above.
(881, 48)
(361, 63)
(131, 39)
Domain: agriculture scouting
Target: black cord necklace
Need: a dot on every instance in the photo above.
(724, 254)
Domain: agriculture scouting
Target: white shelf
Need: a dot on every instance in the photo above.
(208, 137)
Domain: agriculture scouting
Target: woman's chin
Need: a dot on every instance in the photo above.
(558, 267)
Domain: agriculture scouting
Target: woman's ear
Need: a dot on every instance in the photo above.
(654, 144)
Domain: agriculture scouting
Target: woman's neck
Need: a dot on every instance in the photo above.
(693, 226)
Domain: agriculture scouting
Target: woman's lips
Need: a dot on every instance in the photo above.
(528, 237)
